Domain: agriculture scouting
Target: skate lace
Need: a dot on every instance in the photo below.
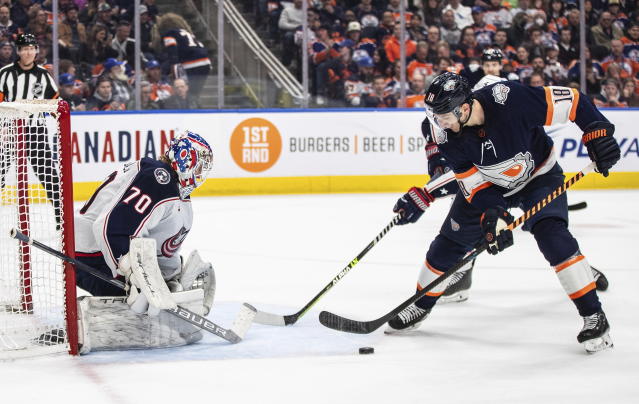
(455, 278)
(410, 313)
(591, 322)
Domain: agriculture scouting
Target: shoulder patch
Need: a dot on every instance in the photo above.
(162, 176)
(500, 93)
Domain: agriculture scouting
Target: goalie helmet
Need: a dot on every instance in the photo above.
(191, 158)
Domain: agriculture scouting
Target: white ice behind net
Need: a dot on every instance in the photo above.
(31, 282)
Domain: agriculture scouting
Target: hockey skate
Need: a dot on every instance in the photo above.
(600, 279)
(408, 319)
(594, 334)
(458, 289)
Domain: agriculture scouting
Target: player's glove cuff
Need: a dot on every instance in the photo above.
(497, 236)
(412, 205)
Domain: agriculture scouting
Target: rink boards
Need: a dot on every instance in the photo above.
(306, 151)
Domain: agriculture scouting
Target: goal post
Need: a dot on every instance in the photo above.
(38, 312)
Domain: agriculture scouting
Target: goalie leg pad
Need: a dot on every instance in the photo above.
(108, 324)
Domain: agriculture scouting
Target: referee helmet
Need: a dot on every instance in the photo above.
(26, 40)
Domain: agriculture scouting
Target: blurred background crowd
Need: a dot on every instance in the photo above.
(353, 47)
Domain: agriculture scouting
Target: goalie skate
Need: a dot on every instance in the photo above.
(594, 334)
(458, 289)
(407, 320)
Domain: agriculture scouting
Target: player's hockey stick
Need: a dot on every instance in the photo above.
(339, 323)
(234, 335)
(275, 319)
(578, 206)
(283, 320)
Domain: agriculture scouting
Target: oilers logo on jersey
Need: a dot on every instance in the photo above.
(510, 173)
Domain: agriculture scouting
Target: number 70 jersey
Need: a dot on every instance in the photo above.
(142, 199)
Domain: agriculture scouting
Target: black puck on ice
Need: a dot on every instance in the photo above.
(365, 350)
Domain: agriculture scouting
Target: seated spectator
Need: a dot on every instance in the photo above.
(145, 97)
(450, 31)
(567, 51)
(146, 29)
(39, 26)
(7, 28)
(420, 65)
(463, 16)
(556, 71)
(72, 35)
(67, 84)
(484, 33)
(631, 42)
(114, 70)
(416, 29)
(7, 55)
(594, 74)
(98, 47)
(415, 96)
(556, 17)
(604, 32)
(392, 46)
(105, 17)
(522, 65)
(364, 7)
(22, 11)
(290, 19)
(432, 13)
(536, 80)
(501, 42)
(378, 97)
(467, 47)
(123, 44)
(498, 15)
(361, 82)
(610, 95)
(181, 99)
(102, 99)
(629, 67)
(160, 89)
(629, 93)
(620, 19)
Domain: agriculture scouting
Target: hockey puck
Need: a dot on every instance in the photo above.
(365, 350)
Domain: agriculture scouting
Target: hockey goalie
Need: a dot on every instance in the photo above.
(132, 228)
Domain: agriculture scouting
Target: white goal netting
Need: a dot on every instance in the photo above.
(33, 309)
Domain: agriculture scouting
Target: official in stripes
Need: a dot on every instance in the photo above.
(25, 80)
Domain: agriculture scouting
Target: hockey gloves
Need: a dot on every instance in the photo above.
(497, 236)
(602, 147)
(412, 205)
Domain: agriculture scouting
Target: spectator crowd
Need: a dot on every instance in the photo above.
(97, 52)
(354, 45)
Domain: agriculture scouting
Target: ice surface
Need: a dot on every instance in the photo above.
(513, 341)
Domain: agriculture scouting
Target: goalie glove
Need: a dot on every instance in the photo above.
(602, 147)
(146, 289)
(196, 274)
(412, 205)
(497, 236)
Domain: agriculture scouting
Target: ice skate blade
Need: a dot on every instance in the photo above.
(393, 331)
(458, 297)
(598, 344)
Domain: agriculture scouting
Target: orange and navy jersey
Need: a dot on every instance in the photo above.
(182, 47)
(629, 67)
(415, 101)
(465, 52)
(556, 25)
(484, 34)
(500, 157)
(630, 48)
(392, 48)
(416, 66)
(320, 52)
(509, 53)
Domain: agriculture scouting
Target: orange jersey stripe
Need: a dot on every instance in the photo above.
(466, 174)
(575, 102)
(568, 263)
(583, 291)
(550, 107)
(479, 188)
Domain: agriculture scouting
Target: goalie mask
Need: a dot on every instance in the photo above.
(191, 158)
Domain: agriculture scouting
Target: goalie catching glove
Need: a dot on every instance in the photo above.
(412, 205)
(497, 236)
(602, 147)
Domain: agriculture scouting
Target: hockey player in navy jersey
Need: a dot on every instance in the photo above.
(460, 283)
(501, 158)
(132, 227)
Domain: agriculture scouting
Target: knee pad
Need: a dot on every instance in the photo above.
(554, 240)
(444, 253)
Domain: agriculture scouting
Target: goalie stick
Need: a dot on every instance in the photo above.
(234, 335)
(266, 318)
(339, 323)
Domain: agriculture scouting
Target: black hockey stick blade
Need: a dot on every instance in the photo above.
(234, 335)
(339, 323)
(263, 317)
(578, 206)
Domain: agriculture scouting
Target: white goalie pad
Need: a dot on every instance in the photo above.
(108, 324)
(197, 274)
(147, 289)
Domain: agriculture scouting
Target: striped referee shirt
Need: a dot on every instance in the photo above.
(33, 84)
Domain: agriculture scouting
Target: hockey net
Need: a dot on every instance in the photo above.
(37, 290)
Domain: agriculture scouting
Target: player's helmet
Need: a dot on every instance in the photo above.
(447, 93)
(492, 55)
(26, 40)
(191, 158)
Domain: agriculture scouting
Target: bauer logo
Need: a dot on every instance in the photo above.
(256, 145)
